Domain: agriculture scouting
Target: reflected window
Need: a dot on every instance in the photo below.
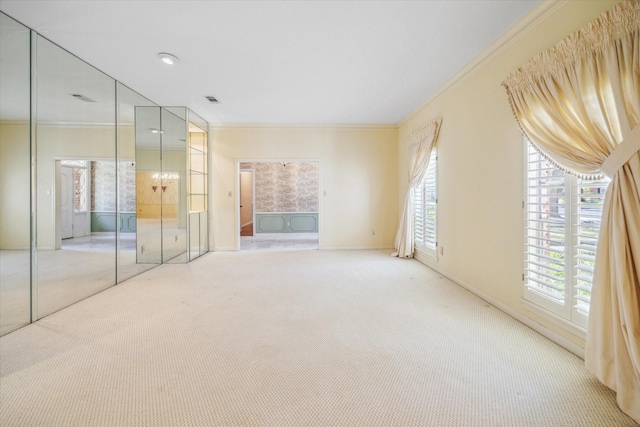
(79, 184)
(79, 190)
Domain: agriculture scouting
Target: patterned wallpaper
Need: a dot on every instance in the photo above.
(288, 187)
(127, 187)
(103, 184)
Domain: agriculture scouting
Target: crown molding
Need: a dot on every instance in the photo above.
(538, 14)
(14, 122)
(214, 126)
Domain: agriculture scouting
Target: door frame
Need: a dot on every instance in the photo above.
(57, 195)
(69, 193)
(274, 160)
(253, 196)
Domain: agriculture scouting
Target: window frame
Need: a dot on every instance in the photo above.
(425, 242)
(579, 228)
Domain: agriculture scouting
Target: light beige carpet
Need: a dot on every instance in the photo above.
(295, 338)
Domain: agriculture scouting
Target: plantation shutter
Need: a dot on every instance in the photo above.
(588, 208)
(562, 225)
(545, 229)
(425, 208)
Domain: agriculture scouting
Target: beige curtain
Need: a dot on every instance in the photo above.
(421, 142)
(579, 104)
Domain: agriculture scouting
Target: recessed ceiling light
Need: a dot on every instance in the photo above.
(168, 58)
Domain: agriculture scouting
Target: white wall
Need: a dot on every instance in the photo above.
(358, 179)
(480, 165)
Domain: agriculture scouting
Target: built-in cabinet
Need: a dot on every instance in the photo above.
(171, 190)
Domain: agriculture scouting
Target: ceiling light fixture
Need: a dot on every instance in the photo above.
(168, 58)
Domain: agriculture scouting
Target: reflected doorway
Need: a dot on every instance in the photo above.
(84, 220)
(66, 202)
(76, 190)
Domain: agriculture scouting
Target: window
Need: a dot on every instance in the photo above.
(80, 190)
(562, 222)
(425, 204)
(79, 184)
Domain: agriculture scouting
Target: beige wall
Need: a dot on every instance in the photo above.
(54, 142)
(480, 181)
(358, 179)
(15, 184)
(63, 143)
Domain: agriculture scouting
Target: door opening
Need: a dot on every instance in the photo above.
(246, 203)
(66, 202)
(279, 205)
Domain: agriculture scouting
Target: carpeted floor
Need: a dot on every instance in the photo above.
(295, 338)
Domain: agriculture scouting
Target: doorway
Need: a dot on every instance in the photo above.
(278, 205)
(246, 202)
(66, 202)
(72, 204)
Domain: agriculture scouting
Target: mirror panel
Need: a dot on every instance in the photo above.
(98, 183)
(194, 235)
(198, 159)
(148, 186)
(75, 178)
(139, 239)
(174, 186)
(204, 232)
(15, 176)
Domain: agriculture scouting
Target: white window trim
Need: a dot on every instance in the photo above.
(566, 313)
(430, 252)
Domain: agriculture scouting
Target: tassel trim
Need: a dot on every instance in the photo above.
(555, 164)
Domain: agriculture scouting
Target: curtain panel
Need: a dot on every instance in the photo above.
(578, 103)
(421, 142)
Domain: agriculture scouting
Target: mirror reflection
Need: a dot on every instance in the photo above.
(75, 179)
(172, 180)
(148, 191)
(15, 210)
(98, 183)
(133, 139)
(198, 165)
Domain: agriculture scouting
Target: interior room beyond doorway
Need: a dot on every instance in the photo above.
(279, 205)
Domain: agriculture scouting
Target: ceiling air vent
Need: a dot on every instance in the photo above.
(82, 97)
(212, 99)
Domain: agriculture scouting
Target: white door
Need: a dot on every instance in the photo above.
(66, 202)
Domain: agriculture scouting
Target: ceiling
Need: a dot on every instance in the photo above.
(278, 62)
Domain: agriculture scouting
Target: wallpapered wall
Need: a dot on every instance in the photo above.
(103, 184)
(288, 187)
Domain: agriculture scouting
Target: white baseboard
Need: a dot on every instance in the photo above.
(542, 330)
(355, 248)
